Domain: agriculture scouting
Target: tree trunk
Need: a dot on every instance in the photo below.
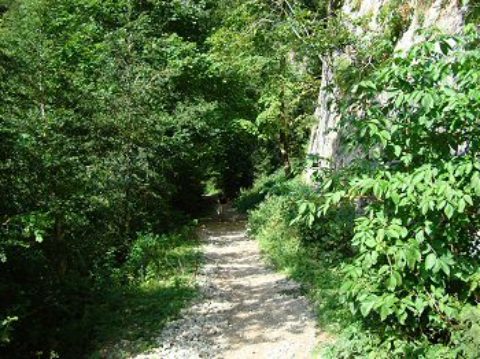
(284, 126)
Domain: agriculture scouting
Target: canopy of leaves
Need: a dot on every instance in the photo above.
(112, 116)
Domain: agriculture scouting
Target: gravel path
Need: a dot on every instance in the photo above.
(245, 310)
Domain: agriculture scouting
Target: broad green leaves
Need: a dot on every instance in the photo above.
(431, 194)
(416, 192)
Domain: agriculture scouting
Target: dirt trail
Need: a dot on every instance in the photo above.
(245, 310)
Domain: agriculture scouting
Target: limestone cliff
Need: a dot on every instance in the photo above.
(446, 15)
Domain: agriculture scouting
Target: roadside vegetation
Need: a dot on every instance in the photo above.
(387, 247)
(121, 120)
(160, 272)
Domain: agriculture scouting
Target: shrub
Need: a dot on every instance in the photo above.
(310, 262)
(158, 257)
(415, 270)
(263, 187)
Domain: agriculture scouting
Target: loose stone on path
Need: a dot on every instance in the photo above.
(245, 309)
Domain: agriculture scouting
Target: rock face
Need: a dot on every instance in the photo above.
(447, 15)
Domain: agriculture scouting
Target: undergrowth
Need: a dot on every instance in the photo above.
(160, 273)
(263, 187)
(393, 237)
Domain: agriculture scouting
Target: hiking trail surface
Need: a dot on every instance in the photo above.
(245, 309)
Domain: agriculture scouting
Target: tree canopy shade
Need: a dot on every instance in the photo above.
(118, 116)
(112, 117)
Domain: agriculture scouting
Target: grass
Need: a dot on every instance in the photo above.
(128, 320)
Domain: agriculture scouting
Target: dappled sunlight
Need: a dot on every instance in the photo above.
(246, 309)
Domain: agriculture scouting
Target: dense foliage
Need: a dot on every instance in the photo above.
(116, 117)
(408, 205)
(400, 221)
(112, 116)
(416, 268)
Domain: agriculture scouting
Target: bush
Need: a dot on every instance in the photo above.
(158, 257)
(158, 280)
(411, 203)
(263, 187)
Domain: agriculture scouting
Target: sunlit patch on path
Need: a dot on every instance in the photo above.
(246, 310)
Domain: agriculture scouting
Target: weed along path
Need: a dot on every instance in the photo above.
(245, 310)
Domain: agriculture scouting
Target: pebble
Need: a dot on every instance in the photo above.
(244, 310)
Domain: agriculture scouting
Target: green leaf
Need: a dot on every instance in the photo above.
(311, 220)
(399, 100)
(420, 305)
(424, 207)
(397, 151)
(367, 85)
(420, 236)
(468, 199)
(385, 311)
(303, 208)
(371, 242)
(395, 198)
(449, 210)
(367, 306)
(476, 183)
(393, 280)
(381, 234)
(430, 261)
(445, 267)
(413, 256)
(428, 101)
(38, 236)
